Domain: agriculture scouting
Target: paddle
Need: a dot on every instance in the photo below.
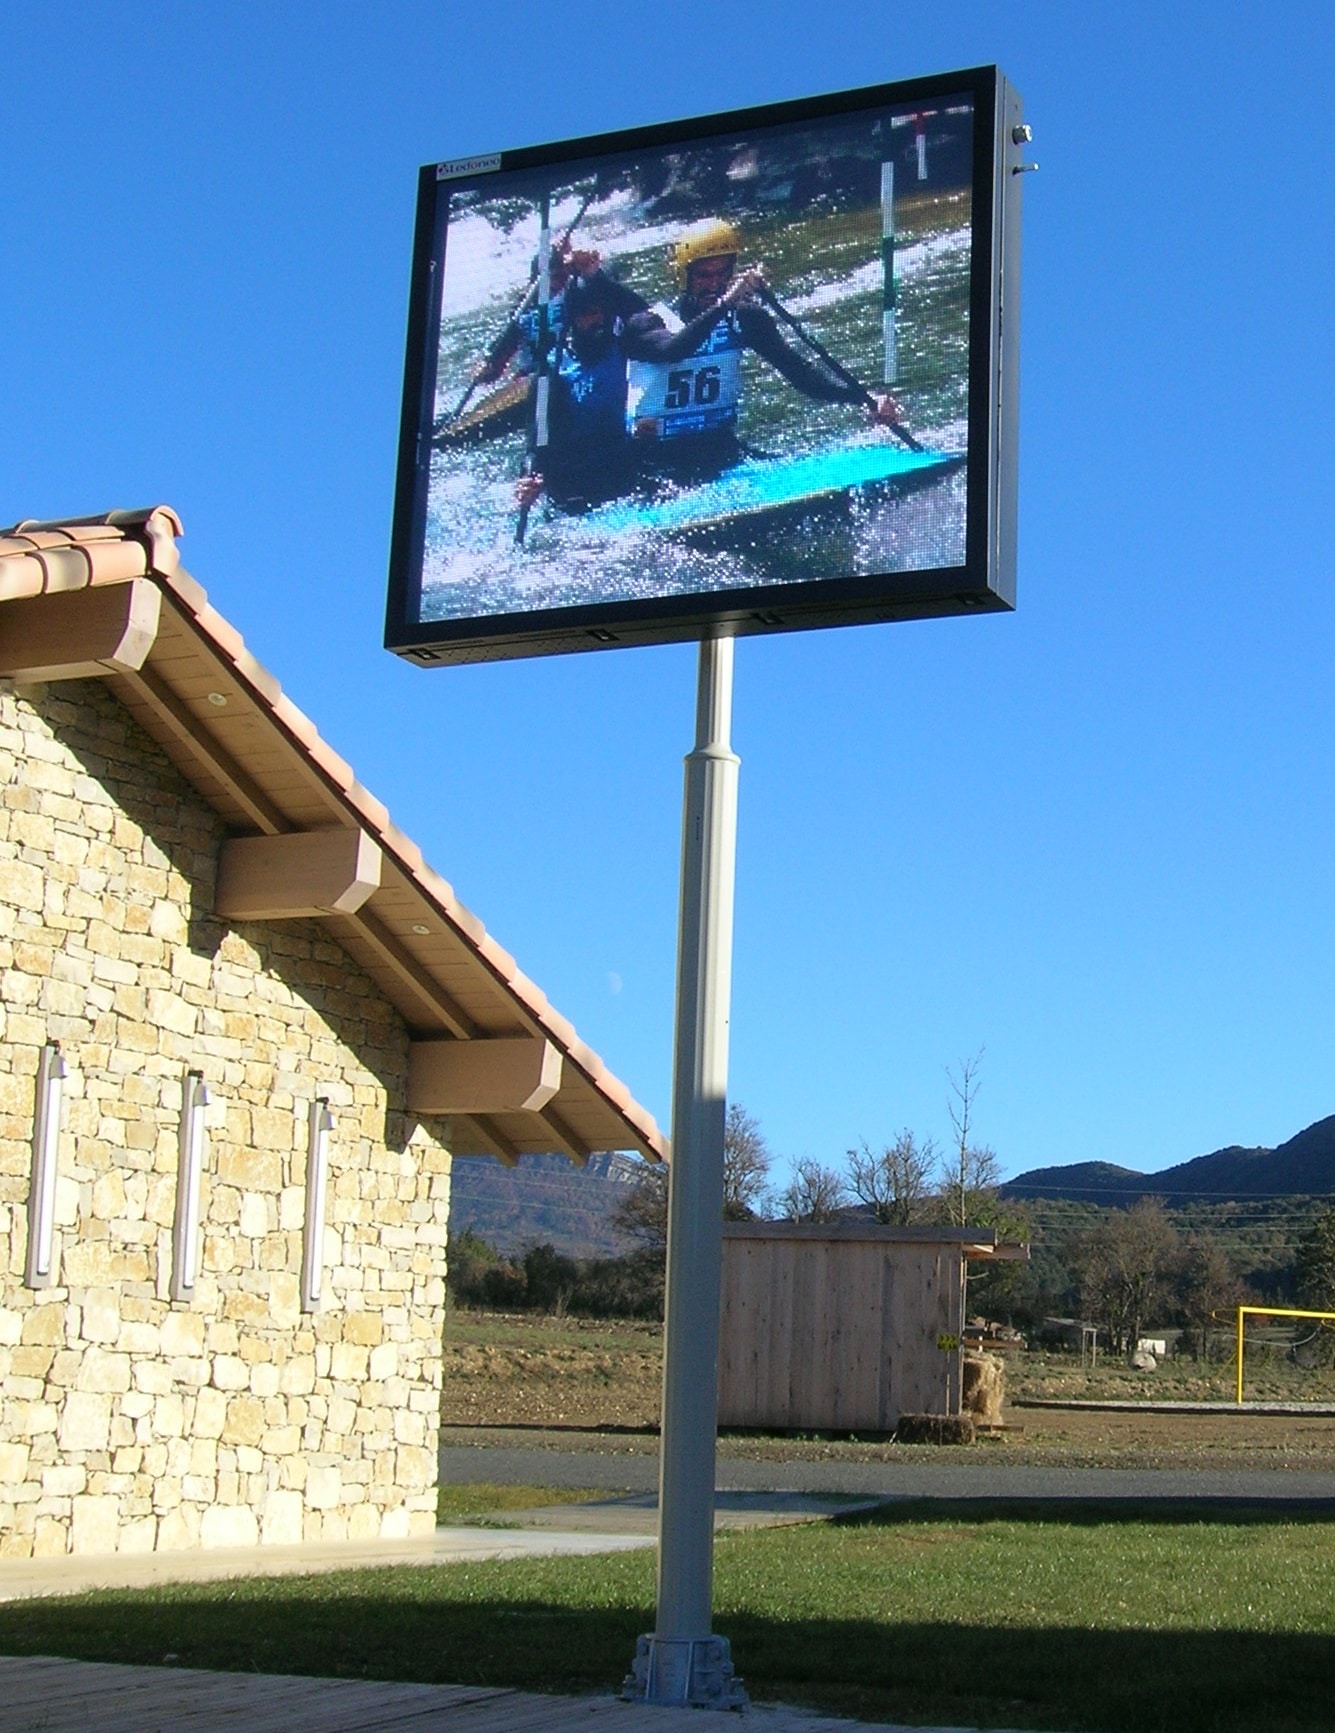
(541, 395)
(840, 372)
(448, 419)
(521, 307)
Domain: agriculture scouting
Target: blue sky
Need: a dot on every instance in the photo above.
(1096, 837)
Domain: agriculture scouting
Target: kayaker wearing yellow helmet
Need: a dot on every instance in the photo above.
(684, 362)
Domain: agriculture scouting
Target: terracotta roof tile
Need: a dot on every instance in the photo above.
(614, 1087)
(499, 958)
(296, 721)
(162, 529)
(335, 767)
(67, 567)
(21, 574)
(113, 547)
(188, 591)
(259, 677)
(585, 1057)
(440, 890)
(94, 532)
(223, 633)
(531, 993)
(115, 522)
(561, 1027)
(403, 848)
(374, 811)
(165, 513)
(115, 562)
(38, 537)
(468, 924)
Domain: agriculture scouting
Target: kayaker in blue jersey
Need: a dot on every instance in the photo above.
(684, 382)
(517, 342)
(587, 457)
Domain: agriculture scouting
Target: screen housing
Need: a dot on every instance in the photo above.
(984, 582)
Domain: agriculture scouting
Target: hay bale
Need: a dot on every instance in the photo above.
(984, 1386)
(935, 1429)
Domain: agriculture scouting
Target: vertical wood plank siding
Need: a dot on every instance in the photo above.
(838, 1334)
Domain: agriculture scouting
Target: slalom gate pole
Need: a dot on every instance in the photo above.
(888, 270)
(542, 394)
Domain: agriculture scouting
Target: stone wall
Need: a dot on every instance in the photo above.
(128, 1422)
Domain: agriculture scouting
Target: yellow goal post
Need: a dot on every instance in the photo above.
(1272, 1312)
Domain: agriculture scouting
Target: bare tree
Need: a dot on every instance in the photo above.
(746, 1165)
(1125, 1266)
(814, 1194)
(970, 1173)
(643, 1211)
(1207, 1287)
(894, 1182)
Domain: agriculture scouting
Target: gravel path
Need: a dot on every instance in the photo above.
(615, 1470)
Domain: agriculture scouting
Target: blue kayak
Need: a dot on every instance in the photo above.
(763, 487)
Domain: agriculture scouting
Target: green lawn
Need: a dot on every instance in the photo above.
(1037, 1618)
(486, 1502)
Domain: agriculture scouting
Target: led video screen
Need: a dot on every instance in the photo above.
(749, 373)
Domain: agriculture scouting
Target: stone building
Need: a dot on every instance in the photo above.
(244, 1029)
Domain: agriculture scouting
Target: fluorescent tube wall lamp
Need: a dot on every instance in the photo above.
(317, 1171)
(45, 1157)
(185, 1231)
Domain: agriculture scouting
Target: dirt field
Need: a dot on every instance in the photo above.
(564, 1379)
(524, 1370)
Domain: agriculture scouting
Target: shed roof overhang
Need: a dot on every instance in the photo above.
(107, 597)
(973, 1242)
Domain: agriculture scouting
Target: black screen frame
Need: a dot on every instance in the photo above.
(986, 580)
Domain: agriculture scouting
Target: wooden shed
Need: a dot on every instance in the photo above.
(844, 1326)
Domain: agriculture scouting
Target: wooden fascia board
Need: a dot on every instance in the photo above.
(304, 873)
(80, 634)
(488, 1076)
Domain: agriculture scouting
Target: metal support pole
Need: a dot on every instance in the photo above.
(682, 1662)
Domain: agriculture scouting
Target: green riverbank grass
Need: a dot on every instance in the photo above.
(1107, 1618)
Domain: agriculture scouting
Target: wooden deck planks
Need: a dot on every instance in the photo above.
(43, 1694)
(59, 1696)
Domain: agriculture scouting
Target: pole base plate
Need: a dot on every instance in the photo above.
(692, 1672)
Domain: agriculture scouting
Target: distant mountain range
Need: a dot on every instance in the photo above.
(545, 1200)
(1302, 1167)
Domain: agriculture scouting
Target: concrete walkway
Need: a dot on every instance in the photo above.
(605, 1525)
(22, 1579)
(44, 1695)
